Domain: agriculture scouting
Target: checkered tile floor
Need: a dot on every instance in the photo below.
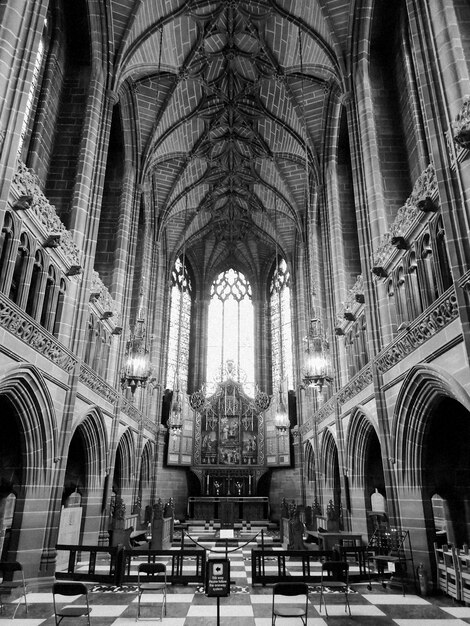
(246, 605)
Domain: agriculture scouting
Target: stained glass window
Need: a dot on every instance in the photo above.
(231, 325)
(180, 323)
(281, 327)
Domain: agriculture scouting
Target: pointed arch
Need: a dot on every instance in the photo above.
(93, 430)
(422, 388)
(126, 453)
(310, 461)
(357, 440)
(329, 456)
(25, 388)
(146, 465)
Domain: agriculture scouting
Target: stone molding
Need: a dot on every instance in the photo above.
(31, 333)
(437, 317)
(43, 215)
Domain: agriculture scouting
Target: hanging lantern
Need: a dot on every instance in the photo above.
(175, 420)
(281, 419)
(137, 369)
(317, 371)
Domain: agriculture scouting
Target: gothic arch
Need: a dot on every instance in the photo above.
(359, 431)
(423, 386)
(93, 430)
(24, 386)
(310, 461)
(146, 464)
(329, 456)
(126, 452)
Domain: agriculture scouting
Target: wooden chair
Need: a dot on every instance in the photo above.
(7, 571)
(452, 572)
(288, 610)
(151, 577)
(62, 590)
(335, 575)
(441, 568)
(463, 562)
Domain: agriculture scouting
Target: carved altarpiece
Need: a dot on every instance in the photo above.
(231, 437)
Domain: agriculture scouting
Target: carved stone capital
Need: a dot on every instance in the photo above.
(112, 96)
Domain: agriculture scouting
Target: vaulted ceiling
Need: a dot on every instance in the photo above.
(231, 100)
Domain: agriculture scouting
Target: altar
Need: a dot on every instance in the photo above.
(228, 509)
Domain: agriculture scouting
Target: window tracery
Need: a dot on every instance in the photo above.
(180, 325)
(231, 325)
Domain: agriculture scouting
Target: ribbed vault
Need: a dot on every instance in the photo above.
(230, 101)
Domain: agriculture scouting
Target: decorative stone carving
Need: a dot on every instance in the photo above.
(422, 200)
(131, 411)
(262, 400)
(399, 242)
(23, 203)
(461, 125)
(456, 153)
(52, 241)
(444, 311)
(103, 301)
(464, 282)
(356, 385)
(351, 305)
(27, 185)
(94, 382)
(326, 410)
(23, 327)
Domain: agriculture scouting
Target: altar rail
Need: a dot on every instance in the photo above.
(116, 564)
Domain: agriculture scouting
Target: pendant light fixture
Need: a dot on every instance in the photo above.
(281, 419)
(175, 420)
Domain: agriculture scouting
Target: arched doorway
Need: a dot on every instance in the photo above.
(431, 432)
(446, 470)
(28, 453)
(122, 487)
(11, 472)
(367, 480)
(72, 496)
(332, 505)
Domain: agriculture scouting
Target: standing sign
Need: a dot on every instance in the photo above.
(217, 578)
